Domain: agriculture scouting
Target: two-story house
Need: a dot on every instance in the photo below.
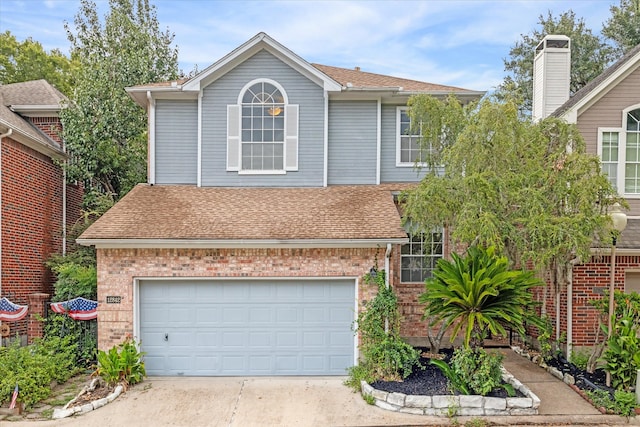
(270, 194)
(607, 114)
(36, 204)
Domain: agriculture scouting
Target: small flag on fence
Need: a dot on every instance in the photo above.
(10, 312)
(78, 308)
(14, 398)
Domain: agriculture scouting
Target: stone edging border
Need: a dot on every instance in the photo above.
(454, 405)
(67, 411)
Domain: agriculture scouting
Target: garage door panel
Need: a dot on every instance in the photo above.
(247, 327)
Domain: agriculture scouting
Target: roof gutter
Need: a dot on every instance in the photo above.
(238, 244)
(35, 144)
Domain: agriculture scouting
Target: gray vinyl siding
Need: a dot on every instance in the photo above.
(352, 142)
(300, 90)
(607, 113)
(176, 142)
(389, 172)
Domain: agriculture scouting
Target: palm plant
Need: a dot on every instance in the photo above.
(479, 293)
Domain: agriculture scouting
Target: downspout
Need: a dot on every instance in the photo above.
(64, 202)
(572, 263)
(2, 135)
(151, 111)
(378, 141)
(387, 263)
(325, 170)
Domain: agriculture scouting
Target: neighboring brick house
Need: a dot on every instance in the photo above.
(607, 114)
(36, 205)
(270, 194)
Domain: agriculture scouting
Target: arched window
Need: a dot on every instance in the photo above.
(263, 130)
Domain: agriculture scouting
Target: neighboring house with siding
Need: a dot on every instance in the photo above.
(36, 204)
(270, 194)
(607, 114)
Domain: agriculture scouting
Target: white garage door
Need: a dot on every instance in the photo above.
(249, 327)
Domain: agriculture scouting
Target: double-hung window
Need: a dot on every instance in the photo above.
(262, 130)
(619, 151)
(419, 257)
(408, 150)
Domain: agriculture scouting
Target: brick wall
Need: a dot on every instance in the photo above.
(32, 217)
(117, 269)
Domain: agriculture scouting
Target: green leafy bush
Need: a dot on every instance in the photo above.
(622, 403)
(121, 364)
(34, 367)
(622, 357)
(83, 333)
(384, 355)
(580, 359)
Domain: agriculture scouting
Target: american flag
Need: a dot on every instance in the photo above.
(10, 312)
(14, 398)
(78, 308)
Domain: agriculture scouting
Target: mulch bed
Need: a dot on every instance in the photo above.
(429, 381)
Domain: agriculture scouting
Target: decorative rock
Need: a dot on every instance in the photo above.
(556, 373)
(396, 399)
(470, 412)
(472, 401)
(418, 401)
(414, 411)
(495, 403)
(88, 407)
(568, 379)
(519, 402)
(366, 388)
(61, 413)
(384, 405)
(445, 401)
(99, 403)
(379, 394)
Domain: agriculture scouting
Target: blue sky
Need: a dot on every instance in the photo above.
(458, 43)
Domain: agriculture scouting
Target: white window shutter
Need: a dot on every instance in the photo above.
(291, 138)
(233, 137)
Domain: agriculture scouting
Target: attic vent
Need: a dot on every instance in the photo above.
(357, 68)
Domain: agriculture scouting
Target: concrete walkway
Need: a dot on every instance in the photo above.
(311, 401)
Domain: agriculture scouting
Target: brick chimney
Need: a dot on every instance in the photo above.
(551, 75)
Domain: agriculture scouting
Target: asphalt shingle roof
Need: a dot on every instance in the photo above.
(233, 214)
(363, 79)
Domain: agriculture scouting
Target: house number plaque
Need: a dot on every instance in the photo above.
(112, 299)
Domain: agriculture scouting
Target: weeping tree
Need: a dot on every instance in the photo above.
(529, 189)
(104, 130)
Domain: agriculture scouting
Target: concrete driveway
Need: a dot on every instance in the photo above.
(237, 401)
(293, 401)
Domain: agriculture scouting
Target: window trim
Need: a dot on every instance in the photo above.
(622, 151)
(284, 142)
(399, 163)
(442, 232)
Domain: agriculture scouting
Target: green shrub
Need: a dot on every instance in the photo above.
(622, 357)
(384, 355)
(580, 359)
(623, 402)
(34, 367)
(121, 364)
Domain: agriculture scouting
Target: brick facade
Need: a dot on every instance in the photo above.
(117, 269)
(32, 216)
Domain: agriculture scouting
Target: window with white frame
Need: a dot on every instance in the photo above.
(262, 130)
(419, 257)
(619, 151)
(408, 150)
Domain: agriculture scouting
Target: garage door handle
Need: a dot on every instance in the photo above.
(166, 337)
